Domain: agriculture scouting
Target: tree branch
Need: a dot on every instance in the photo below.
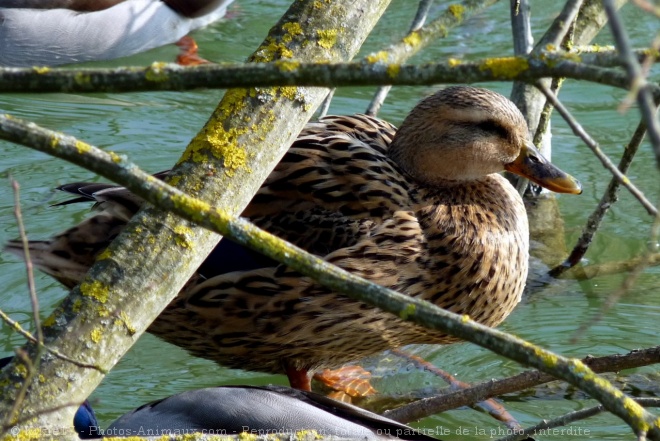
(417, 23)
(609, 197)
(171, 77)
(593, 145)
(638, 82)
(13, 324)
(420, 35)
(478, 392)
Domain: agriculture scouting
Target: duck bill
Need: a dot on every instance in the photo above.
(532, 165)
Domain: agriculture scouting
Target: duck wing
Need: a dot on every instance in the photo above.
(332, 187)
(339, 163)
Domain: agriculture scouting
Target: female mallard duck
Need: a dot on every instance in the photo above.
(421, 210)
(54, 32)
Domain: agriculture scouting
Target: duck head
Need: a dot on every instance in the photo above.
(464, 133)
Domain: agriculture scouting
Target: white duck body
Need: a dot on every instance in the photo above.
(50, 37)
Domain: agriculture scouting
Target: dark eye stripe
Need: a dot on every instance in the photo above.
(493, 127)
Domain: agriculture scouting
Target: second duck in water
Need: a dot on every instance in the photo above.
(264, 410)
(55, 32)
(422, 210)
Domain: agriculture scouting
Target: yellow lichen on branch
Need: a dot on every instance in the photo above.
(506, 68)
(96, 290)
(156, 73)
(327, 38)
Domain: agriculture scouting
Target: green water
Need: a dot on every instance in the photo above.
(153, 128)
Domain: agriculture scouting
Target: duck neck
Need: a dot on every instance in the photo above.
(424, 168)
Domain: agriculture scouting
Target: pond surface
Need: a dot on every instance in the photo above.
(153, 129)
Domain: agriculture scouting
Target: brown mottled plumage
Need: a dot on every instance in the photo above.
(422, 211)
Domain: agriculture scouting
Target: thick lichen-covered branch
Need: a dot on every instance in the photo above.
(291, 72)
(225, 163)
(418, 311)
(16, 326)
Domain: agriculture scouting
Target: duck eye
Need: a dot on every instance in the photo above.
(535, 159)
(493, 127)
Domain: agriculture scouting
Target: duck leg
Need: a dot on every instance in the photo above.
(298, 378)
(188, 55)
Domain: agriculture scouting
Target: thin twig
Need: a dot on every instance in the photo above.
(651, 57)
(420, 16)
(28, 262)
(561, 26)
(325, 105)
(638, 82)
(648, 7)
(568, 418)
(417, 23)
(627, 284)
(607, 56)
(609, 197)
(612, 299)
(30, 365)
(593, 145)
(546, 114)
(524, 380)
(378, 100)
(13, 414)
(608, 268)
(559, 34)
(545, 425)
(491, 406)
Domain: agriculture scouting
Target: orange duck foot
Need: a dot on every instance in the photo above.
(188, 53)
(347, 382)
